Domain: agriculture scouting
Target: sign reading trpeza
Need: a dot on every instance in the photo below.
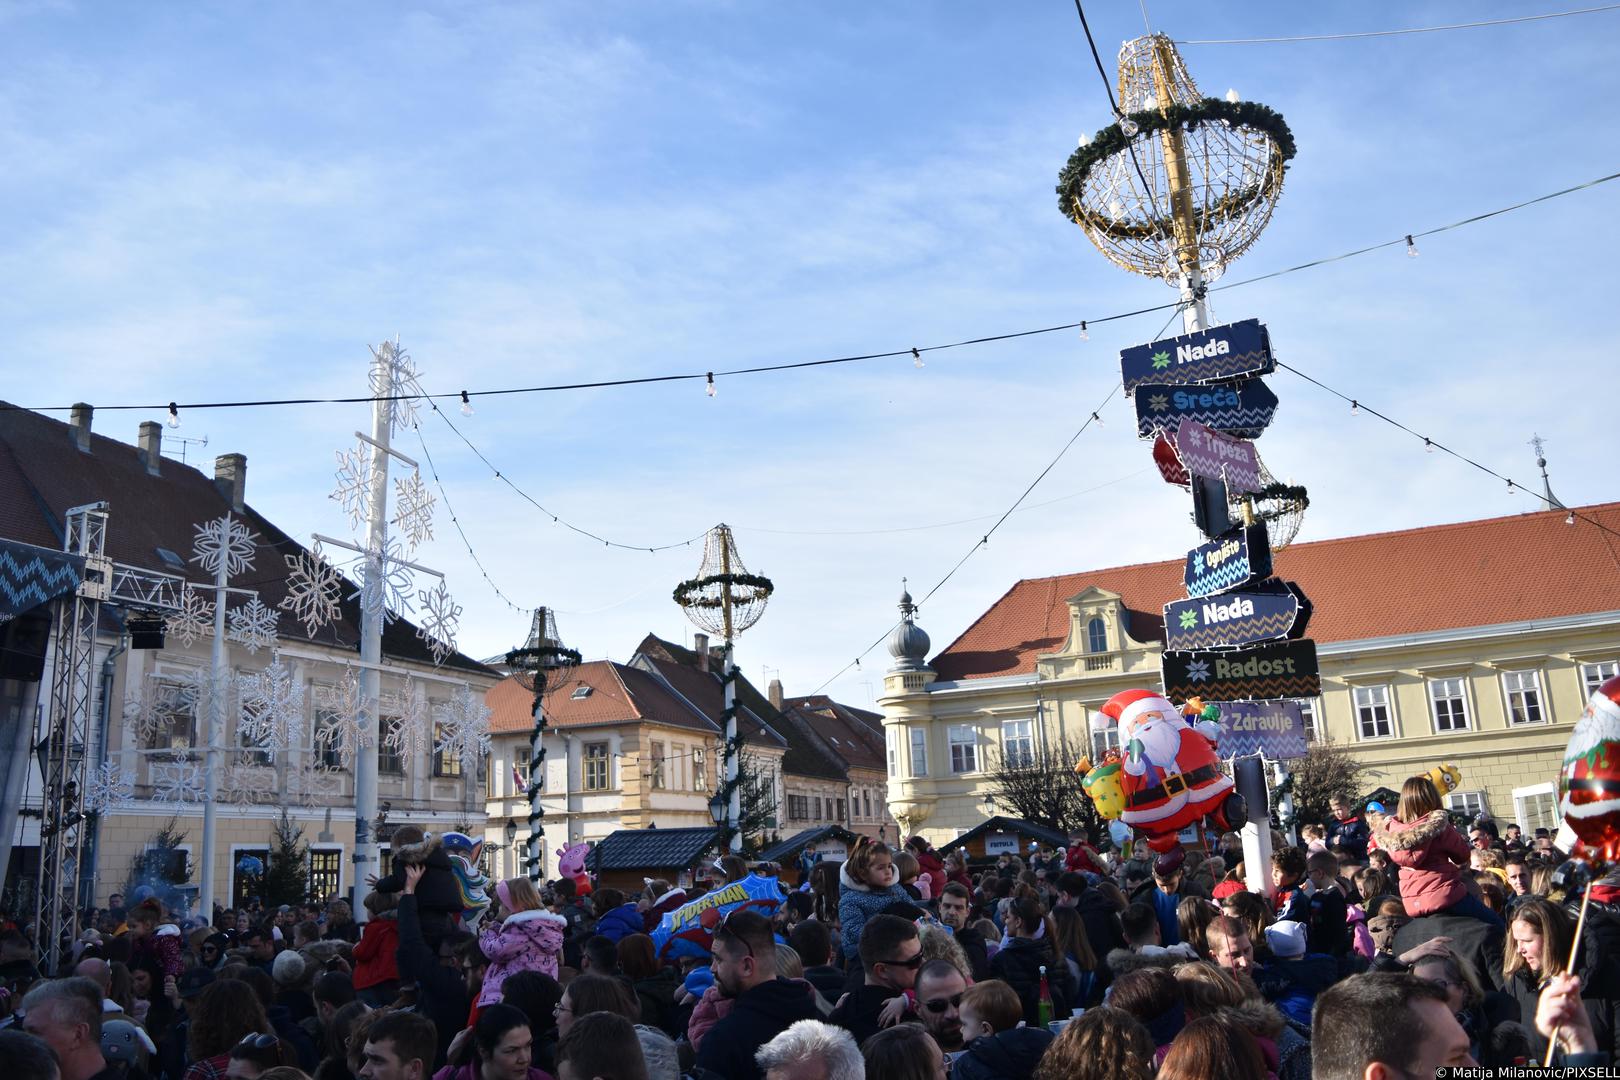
(1206, 452)
(1271, 609)
(1243, 409)
(1230, 560)
(1276, 669)
(1221, 352)
(1275, 729)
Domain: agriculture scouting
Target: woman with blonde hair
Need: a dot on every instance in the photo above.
(524, 936)
(1103, 1044)
(1206, 990)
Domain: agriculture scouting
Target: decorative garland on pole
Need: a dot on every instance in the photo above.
(541, 665)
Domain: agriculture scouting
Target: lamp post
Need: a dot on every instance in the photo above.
(540, 666)
(726, 599)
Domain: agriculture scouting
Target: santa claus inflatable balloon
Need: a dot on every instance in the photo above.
(1170, 774)
(1589, 784)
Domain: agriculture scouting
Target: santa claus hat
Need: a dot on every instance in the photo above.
(1127, 705)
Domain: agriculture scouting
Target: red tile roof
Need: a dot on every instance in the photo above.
(853, 735)
(1441, 577)
(618, 694)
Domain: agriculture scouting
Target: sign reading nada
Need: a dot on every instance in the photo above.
(1221, 352)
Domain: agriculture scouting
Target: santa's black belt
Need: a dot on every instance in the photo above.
(1174, 784)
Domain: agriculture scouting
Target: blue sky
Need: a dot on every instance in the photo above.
(232, 201)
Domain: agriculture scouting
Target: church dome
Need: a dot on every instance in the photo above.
(909, 643)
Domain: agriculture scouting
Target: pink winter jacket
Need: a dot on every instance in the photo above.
(526, 941)
(1432, 855)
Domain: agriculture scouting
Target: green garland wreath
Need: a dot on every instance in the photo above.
(1111, 140)
(686, 592)
(1279, 493)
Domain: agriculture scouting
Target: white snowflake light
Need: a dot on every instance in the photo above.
(351, 725)
(194, 620)
(438, 622)
(226, 542)
(463, 727)
(353, 491)
(179, 781)
(107, 785)
(385, 589)
(244, 783)
(272, 707)
(413, 509)
(313, 787)
(151, 707)
(394, 375)
(252, 625)
(313, 586)
(410, 724)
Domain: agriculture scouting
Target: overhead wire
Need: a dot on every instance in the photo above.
(1410, 30)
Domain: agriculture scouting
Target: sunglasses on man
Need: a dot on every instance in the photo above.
(939, 1005)
(914, 963)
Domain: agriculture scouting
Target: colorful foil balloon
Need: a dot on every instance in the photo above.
(1589, 783)
(1102, 785)
(689, 929)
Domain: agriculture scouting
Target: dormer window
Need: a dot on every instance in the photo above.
(1096, 635)
(580, 693)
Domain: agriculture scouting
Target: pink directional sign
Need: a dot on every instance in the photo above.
(1206, 452)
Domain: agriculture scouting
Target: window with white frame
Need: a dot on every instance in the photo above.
(1104, 740)
(1536, 807)
(964, 743)
(388, 759)
(700, 778)
(866, 802)
(1372, 712)
(1018, 743)
(1448, 704)
(1307, 713)
(325, 872)
(659, 752)
(1595, 675)
(173, 708)
(1471, 803)
(1096, 635)
(1523, 692)
(919, 752)
(595, 766)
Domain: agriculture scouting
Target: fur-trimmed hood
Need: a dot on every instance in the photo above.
(848, 881)
(1123, 961)
(417, 853)
(1398, 836)
(1255, 1015)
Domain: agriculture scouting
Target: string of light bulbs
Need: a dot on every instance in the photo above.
(1410, 30)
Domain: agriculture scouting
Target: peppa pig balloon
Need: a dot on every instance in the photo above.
(1589, 784)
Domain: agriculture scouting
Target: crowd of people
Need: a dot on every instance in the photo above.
(1389, 938)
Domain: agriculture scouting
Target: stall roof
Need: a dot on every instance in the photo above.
(796, 843)
(652, 849)
(1012, 825)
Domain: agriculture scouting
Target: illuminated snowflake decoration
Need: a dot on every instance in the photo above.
(1198, 671)
(315, 787)
(410, 723)
(252, 625)
(413, 509)
(463, 727)
(313, 587)
(244, 783)
(179, 781)
(351, 726)
(440, 616)
(194, 620)
(394, 375)
(152, 706)
(353, 491)
(386, 584)
(224, 542)
(107, 785)
(272, 707)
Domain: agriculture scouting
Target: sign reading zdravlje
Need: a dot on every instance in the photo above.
(1243, 409)
(1273, 728)
(1276, 669)
(1221, 352)
(1231, 559)
(1272, 609)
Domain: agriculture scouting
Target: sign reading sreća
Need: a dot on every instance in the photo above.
(1221, 352)
(1276, 669)
(1206, 452)
(1242, 409)
(1274, 729)
(1231, 560)
(1271, 609)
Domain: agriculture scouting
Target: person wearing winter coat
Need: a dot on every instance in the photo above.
(1294, 977)
(376, 971)
(527, 938)
(665, 898)
(997, 1044)
(1348, 830)
(616, 919)
(1539, 947)
(499, 1046)
(763, 1005)
(438, 893)
(1206, 990)
(153, 940)
(1026, 949)
(929, 863)
(868, 883)
(1432, 855)
(441, 994)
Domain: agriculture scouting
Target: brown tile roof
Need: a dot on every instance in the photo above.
(1440, 577)
(678, 668)
(852, 735)
(618, 694)
(43, 474)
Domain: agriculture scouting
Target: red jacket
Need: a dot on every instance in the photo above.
(1079, 860)
(1432, 855)
(374, 961)
(928, 862)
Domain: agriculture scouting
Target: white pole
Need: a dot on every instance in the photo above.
(371, 627)
(216, 727)
(733, 762)
(1195, 316)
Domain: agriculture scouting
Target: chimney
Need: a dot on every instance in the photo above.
(230, 477)
(150, 441)
(700, 645)
(82, 415)
(775, 691)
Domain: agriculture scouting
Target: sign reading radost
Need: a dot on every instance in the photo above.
(1276, 669)
(1231, 560)
(1221, 352)
(1272, 609)
(1242, 409)
(1275, 729)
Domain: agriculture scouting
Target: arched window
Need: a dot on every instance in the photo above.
(1096, 635)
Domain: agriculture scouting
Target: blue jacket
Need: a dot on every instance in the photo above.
(858, 903)
(619, 923)
(1350, 835)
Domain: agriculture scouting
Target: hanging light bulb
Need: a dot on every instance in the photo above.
(1569, 519)
(1233, 96)
(1428, 447)
(1511, 488)
(1116, 209)
(1128, 127)
(1084, 336)
(1355, 406)
(709, 389)
(466, 405)
(1411, 248)
(174, 415)
(916, 357)
(1097, 418)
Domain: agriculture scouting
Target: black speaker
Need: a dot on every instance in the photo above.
(145, 630)
(22, 645)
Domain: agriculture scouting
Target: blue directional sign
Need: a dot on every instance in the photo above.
(1273, 728)
(1229, 561)
(1242, 409)
(1221, 352)
(1272, 609)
